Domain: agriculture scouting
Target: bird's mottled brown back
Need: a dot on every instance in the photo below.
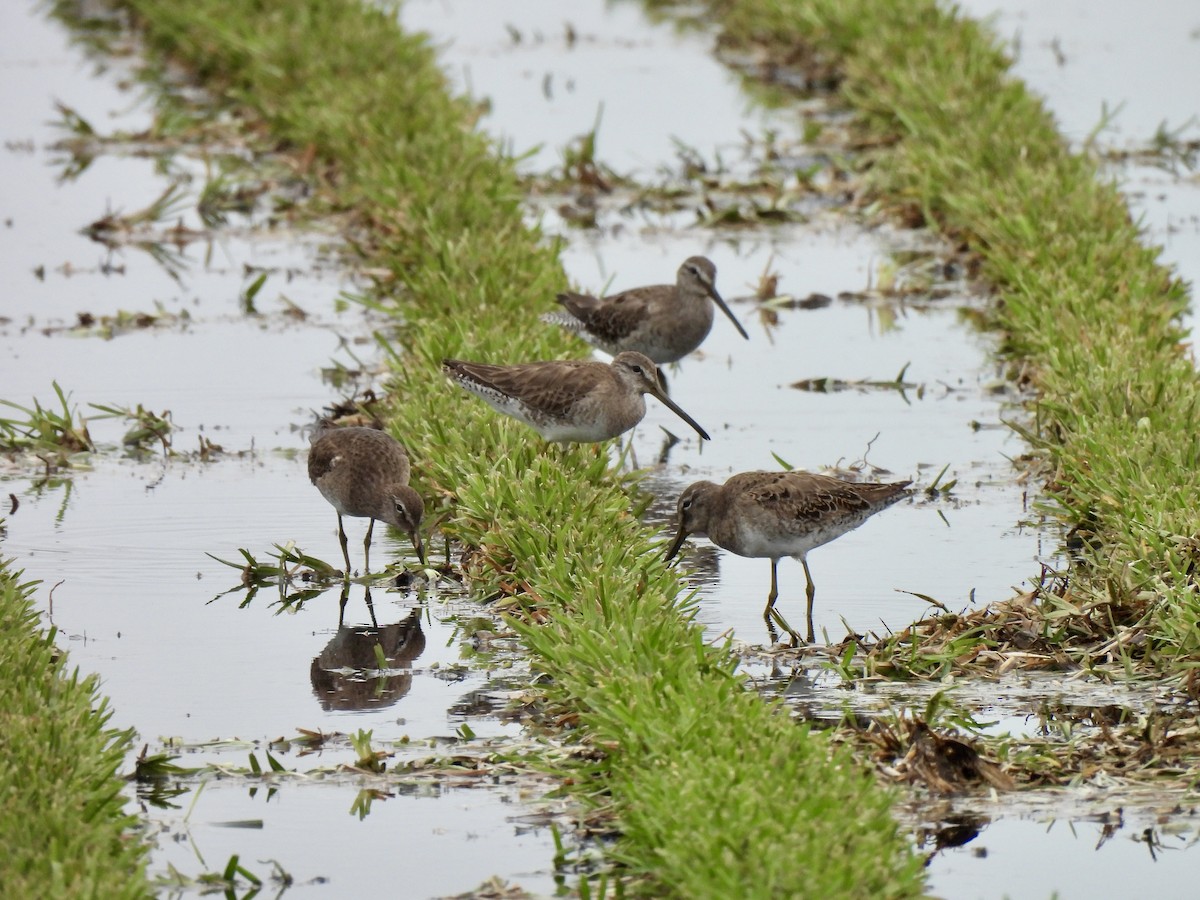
(805, 497)
(353, 468)
(614, 318)
(320, 460)
(552, 388)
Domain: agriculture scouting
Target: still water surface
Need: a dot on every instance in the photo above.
(128, 540)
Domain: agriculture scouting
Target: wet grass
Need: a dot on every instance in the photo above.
(371, 771)
(246, 185)
(63, 823)
(57, 433)
(56, 429)
(1134, 739)
(1092, 325)
(765, 182)
(556, 532)
(1089, 319)
(230, 880)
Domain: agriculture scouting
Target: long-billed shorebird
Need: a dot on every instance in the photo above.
(665, 322)
(569, 400)
(777, 514)
(363, 472)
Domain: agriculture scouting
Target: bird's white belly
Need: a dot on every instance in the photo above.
(581, 429)
(334, 500)
(757, 542)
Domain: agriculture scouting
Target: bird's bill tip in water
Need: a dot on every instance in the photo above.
(675, 408)
(680, 537)
(712, 290)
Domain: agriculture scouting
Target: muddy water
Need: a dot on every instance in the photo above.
(140, 602)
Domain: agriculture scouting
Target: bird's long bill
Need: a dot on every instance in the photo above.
(712, 292)
(680, 537)
(419, 546)
(675, 408)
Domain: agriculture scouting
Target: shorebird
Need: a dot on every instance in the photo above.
(777, 514)
(363, 472)
(665, 322)
(569, 400)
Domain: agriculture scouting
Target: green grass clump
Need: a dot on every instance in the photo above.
(63, 823)
(56, 429)
(716, 793)
(1082, 303)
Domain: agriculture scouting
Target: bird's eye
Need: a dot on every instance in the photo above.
(638, 369)
(686, 504)
(694, 270)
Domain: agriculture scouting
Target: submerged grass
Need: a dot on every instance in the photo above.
(58, 433)
(1083, 304)
(57, 429)
(63, 823)
(716, 792)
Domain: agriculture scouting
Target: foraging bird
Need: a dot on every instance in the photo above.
(364, 473)
(665, 322)
(569, 400)
(777, 514)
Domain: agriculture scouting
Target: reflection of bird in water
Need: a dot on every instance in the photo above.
(705, 566)
(339, 675)
(950, 832)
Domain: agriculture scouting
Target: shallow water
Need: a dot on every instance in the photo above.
(1136, 65)
(120, 546)
(551, 72)
(419, 844)
(138, 601)
(1017, 857)
(740, 391)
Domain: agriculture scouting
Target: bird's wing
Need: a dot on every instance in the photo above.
(804, 497)
(551, 387)
(322, 457)
(611, 318)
